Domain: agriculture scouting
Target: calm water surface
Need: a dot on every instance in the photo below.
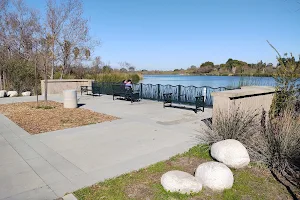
(212, 81)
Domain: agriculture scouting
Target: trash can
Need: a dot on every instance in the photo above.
(70, 99)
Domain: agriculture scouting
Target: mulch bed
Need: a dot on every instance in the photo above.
(50, 116)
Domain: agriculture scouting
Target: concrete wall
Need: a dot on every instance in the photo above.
(57, 86)
(248, 98)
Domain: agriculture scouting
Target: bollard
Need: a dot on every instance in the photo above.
(70, 99)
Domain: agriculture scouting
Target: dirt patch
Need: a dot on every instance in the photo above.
(140, 192)
(142, 189)
(50, 116)
(188, 164)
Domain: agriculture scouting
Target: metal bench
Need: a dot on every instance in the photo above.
(94, 89)
(198, 103)
(127, 93)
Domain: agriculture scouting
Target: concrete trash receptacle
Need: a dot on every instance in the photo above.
(70, 99)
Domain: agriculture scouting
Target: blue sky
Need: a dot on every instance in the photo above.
(169, 34)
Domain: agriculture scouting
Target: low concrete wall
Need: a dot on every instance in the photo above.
(57, 86)
(248, 98)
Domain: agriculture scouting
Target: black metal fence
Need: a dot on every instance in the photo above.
(180, 93)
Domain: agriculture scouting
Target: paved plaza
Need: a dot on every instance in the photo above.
(48, 165)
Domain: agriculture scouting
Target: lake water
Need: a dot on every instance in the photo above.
(212, 81)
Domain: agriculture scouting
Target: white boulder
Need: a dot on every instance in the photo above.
(182, 182)
(230, 152)
(2, 93)
(26, 93)
(214, 175)
(12, 93)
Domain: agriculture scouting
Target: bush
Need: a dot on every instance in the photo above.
(278, 144)
(236, 124)
(116, 77)
(112, 77)
(287, 88)
(274, 142)
(20, 75)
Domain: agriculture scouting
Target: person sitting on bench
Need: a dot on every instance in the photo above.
(128, 85)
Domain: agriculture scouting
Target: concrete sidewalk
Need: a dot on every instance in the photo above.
(48, 165)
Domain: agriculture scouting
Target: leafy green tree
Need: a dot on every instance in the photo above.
(107, 69)
(123, 70)
(229, 64)
(260, 66)
(22, 75)
(235, 66)
(131, 68)
(207, 64)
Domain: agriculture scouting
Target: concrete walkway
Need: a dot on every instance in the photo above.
(48, 165)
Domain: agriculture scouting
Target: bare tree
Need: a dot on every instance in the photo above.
(62, 39)
(66, 56)
(97, 65)
(127, 65)
(69, 32)
(44, 55)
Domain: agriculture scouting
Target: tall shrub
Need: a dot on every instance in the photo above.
(117, 77)
(287, 89)
(236, 124)
(20, 75)
(278, 144)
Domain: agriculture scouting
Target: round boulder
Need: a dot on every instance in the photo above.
(2, 93)
(12, 93)
(230, 152)
(25, 94)
(182, 182)
(214, 175)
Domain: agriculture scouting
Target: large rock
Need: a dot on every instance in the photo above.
(12, 93)
(2, 93)
(182, 182)
(25, 94)
(214, 175)
(230, 152)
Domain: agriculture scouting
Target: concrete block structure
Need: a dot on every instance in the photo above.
(248, 98)
(57, 86)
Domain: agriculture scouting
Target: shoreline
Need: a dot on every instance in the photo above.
(236, 75)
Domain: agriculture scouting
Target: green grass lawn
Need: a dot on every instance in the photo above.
(252, 182)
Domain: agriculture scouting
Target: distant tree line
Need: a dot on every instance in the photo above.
(230, 68)
(234, 67)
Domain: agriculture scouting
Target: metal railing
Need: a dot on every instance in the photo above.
(180, 93)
